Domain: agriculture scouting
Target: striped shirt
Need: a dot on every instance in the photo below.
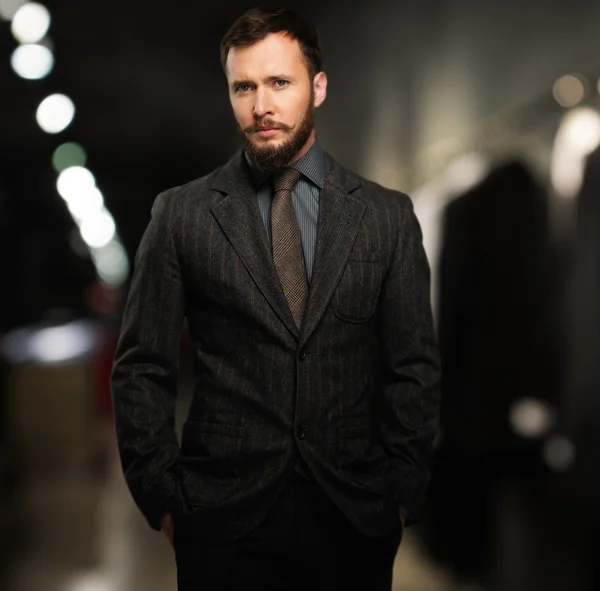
(305, 197)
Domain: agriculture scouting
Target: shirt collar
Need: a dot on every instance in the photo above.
(311, 165)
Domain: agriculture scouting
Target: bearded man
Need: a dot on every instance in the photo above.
(306, 293)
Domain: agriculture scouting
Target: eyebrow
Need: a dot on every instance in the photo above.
(267, 79)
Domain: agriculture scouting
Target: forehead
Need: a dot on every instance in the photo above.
(276, 53)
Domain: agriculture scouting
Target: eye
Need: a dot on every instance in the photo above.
(242, 88)
(281, 83)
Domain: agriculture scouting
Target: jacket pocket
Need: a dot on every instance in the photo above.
(210, 461)
(361, 458)
(353, 445)
(356, 295)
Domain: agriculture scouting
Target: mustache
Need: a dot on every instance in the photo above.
(267, 124)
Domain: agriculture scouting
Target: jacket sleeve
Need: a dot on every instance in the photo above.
(145, 368)
(410, 366)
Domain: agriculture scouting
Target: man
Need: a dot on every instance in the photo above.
(306, 292)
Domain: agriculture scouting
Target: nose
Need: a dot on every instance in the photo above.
(262, 104)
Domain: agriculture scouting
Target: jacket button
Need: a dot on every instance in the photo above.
(301, 432)
(302, 355)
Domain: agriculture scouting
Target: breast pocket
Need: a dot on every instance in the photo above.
(210, 461)
(356, 295)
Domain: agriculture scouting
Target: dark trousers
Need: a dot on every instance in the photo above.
(304, 543)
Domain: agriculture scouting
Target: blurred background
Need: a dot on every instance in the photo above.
(486, 113)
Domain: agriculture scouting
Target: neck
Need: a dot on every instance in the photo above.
(304, 150)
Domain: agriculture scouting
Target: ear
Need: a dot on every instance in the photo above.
(320, 86)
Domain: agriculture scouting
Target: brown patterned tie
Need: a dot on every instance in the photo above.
(286, 244)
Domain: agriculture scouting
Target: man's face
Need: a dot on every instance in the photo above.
(273, 99)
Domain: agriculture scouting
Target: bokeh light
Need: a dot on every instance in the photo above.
(74, 180)
(531, 418)
(68, 155)
(85, 205)
(55, 113)
(559, 453)
(32, 61)
(99, 230)
(569, 90)
(111, 263)
(30, 23)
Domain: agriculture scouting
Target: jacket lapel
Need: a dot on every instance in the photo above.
(238, 216)
(340, 214)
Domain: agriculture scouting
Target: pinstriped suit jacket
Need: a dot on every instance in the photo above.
(355, 391)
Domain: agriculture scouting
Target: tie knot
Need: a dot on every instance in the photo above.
(285, 179)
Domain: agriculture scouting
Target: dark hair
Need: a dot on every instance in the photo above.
(255, 24)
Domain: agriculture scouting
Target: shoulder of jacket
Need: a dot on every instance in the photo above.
(377, 195)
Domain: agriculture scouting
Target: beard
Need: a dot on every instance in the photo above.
(268, 158)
